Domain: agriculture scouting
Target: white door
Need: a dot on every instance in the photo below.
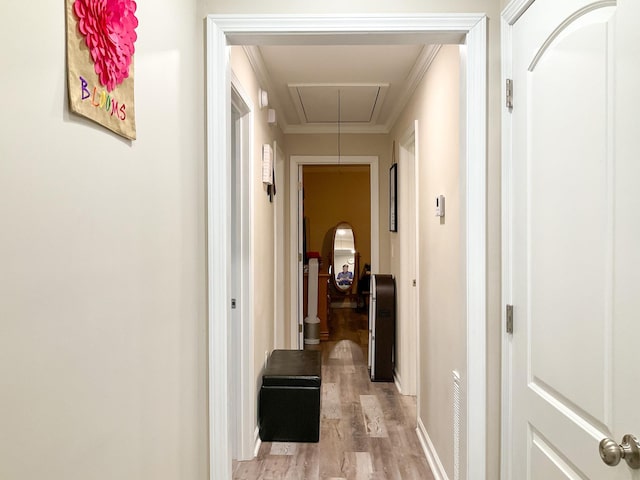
(574, 238)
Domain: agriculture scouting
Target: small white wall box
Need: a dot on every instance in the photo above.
(440, 206)
(263, 98)
(267, 164)
(271, 116)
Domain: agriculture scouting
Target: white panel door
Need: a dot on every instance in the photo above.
(575, 238)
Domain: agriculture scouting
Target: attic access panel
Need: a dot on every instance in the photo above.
(318, 103)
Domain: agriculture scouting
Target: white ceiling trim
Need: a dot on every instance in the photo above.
(363, 29)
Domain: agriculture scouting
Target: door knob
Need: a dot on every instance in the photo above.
(611, 453)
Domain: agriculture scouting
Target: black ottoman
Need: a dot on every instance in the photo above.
(289, 403)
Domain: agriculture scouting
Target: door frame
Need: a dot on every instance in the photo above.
(297, 162)
(511, 13)
(241, 354)
(470, 30)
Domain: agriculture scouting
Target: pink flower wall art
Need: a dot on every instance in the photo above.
(109, 30)
(101, 36)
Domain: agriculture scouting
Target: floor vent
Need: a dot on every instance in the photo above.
(456, 425)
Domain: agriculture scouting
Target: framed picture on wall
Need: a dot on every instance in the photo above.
(393, 191)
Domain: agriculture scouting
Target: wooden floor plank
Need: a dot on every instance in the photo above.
(330, 401)
(373, 416)
(283, 448)
(367, 429)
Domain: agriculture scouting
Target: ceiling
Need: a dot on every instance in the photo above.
(365, 87)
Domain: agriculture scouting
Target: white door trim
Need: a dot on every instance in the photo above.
(242, 352)
(279, 221)
(510, 15)
(295, 162)
(224, 30)
(473, 106)
(407, 380)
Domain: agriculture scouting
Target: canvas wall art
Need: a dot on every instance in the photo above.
(101, 36)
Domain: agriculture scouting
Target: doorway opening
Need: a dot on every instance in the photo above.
(297, 163)
(468, 30)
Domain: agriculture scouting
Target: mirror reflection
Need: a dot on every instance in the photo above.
(344, 257)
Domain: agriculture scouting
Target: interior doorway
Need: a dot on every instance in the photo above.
(469, 30)
(297, 163)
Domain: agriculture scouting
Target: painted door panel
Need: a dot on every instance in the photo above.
(575, 268)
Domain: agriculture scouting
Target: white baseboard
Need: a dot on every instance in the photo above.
(257, 442)
(433, 460)
(397, 381)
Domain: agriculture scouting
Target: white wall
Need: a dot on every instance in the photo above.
(103, 365)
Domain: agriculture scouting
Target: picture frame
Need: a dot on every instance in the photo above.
(393, 195)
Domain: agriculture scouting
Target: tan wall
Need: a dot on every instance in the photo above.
(337, 194)
(442, 341)
(103, 363)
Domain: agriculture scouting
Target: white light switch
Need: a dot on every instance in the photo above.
(440, 206)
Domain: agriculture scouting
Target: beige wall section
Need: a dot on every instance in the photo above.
(103, 334)
(442, 342)
(334, 194)
(262, 215)
(377, 145)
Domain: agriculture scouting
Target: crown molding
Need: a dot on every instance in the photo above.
(420, 68)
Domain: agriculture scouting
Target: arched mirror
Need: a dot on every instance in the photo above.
(344, 258)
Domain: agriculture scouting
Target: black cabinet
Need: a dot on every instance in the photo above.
(382, 327)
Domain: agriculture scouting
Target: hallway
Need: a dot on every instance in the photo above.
(367, 428)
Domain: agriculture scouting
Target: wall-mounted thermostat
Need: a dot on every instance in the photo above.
(440, 206)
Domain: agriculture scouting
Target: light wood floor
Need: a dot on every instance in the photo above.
(367, 429)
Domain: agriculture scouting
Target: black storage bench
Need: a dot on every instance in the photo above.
(289, 403)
